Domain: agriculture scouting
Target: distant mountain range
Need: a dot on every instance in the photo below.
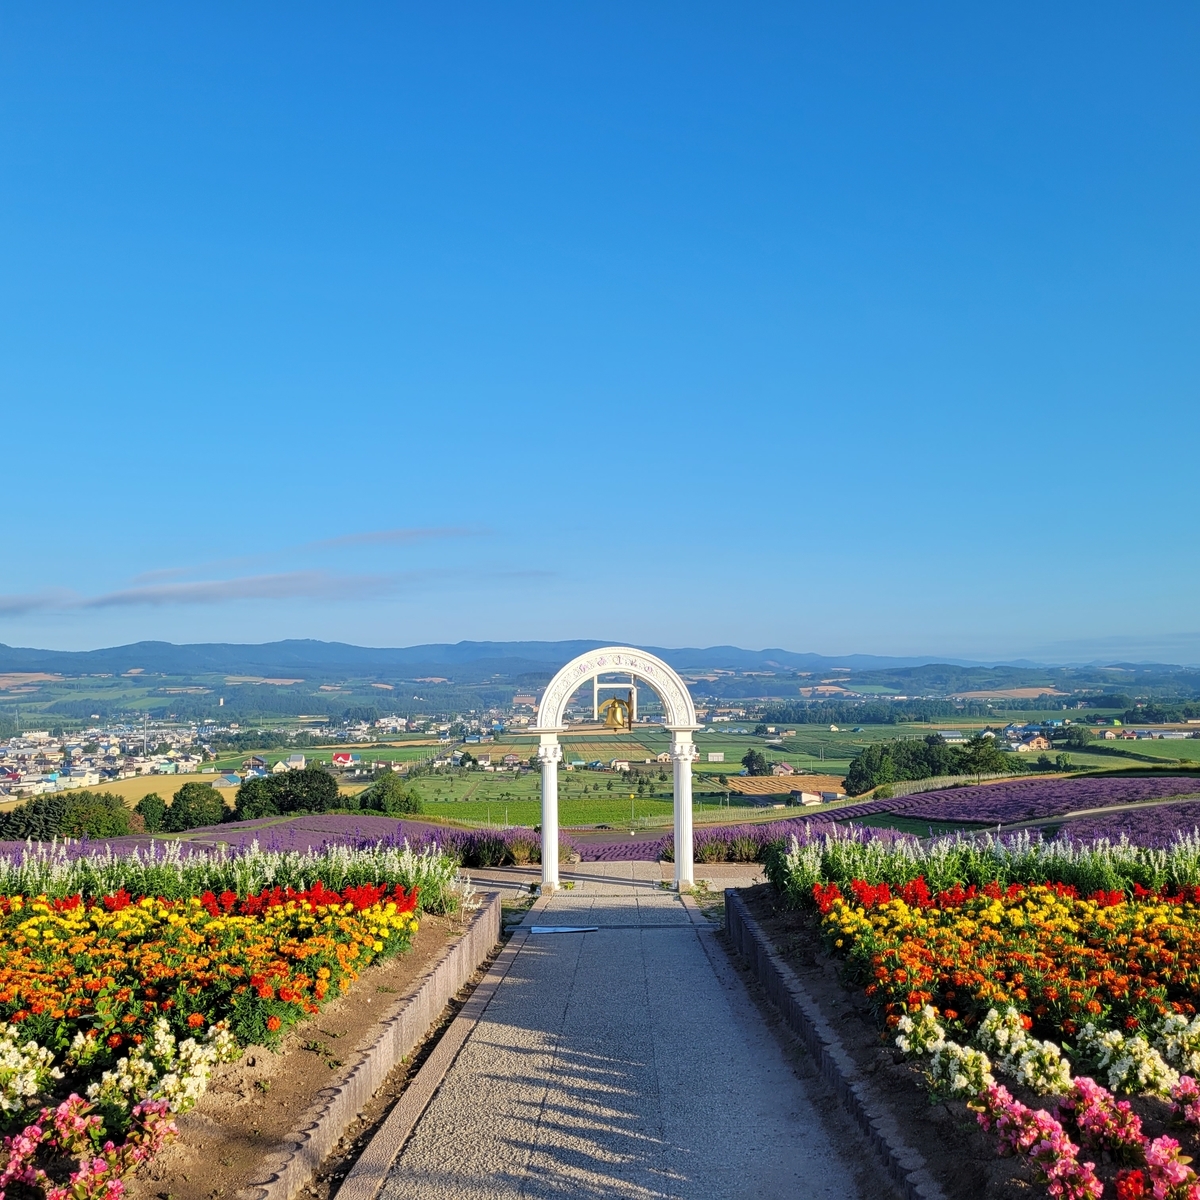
(312, 677)
(342, 658)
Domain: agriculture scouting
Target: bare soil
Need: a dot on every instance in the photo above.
(254, 1105)
(960, 1154)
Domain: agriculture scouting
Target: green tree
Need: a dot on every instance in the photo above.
(389, 795)
(311, 790)
(94, 814)
(1077, 737)
(755, 762)
(256, 799)
(981, 756)
(152, 808)
(194, 805)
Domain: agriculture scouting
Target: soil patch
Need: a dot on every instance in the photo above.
(959, 1154)
(254, 1105)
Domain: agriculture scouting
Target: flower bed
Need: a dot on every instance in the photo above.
(1000, 966)
(1026, 799)
(116, 1003)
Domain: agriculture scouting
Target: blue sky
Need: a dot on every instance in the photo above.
(838, 328)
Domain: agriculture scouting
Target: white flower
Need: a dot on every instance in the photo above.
(1179, 1040)
(1133, 1065)
(26, 1070)
(920, 1034)
(959, 1070)
(1037, 1065)
(164, 1069)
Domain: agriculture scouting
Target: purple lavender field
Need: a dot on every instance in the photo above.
(1154, 827)
(733, 843)
(472, 848)
(1025, 799)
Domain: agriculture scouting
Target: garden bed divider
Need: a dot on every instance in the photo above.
(400, 1030)
(803, 1016)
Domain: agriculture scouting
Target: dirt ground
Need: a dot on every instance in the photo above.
(960, 1155)
(254, 1104)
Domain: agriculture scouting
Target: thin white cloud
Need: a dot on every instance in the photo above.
(19, 605)
(378, 537)
(292, 585)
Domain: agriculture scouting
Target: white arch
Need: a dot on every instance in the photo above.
(681, 721)
(672, 691)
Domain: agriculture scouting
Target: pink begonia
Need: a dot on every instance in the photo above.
(1169, 1178)
(1104, 1123)
(71, 1129)
(1186, 1097)
(1042, 1141)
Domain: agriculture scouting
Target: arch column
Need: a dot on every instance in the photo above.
(550, 755)
(683, 754)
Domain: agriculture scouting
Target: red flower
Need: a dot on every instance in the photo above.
(1131, 1185)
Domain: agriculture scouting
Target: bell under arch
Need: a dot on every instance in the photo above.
(680, 713)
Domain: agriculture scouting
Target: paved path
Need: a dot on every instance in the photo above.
(586, 877)
(629, 1062)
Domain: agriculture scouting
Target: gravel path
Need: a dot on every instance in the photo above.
(629, 1062)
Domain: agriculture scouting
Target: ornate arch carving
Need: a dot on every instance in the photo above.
(671, 690)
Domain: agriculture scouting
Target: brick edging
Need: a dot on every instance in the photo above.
(369, 1173)
(803, 1017)
(399, 1030)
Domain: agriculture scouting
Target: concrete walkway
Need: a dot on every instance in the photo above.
(628, 1062)
(512, 882)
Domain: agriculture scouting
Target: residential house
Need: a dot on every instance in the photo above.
(1035, 743)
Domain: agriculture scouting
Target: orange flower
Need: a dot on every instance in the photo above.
(195, 1021)
(273, 1023)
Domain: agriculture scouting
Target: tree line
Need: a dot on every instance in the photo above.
(923, 758)
(80, 814)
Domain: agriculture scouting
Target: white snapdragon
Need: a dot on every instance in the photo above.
(1041, 1066)
(953, 1069)
(1133, 1065)
(164, 1069)
(920, 1034)
(1037, 1065)
(959, 1070)
(1179, 1041)
(26, 1070)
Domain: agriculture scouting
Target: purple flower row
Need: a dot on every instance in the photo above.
(1027, 799)
(1155, 827)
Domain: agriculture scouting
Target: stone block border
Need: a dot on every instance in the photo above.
(400, 1030)
(803, 1016)
(369, 1173)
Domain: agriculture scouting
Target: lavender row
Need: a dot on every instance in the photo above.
(1027, 799)
(1155, 828)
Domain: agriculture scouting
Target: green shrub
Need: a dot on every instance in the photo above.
(66, 814)
(311, 790)
(194, 805)
(389, 795)
(152, 808)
